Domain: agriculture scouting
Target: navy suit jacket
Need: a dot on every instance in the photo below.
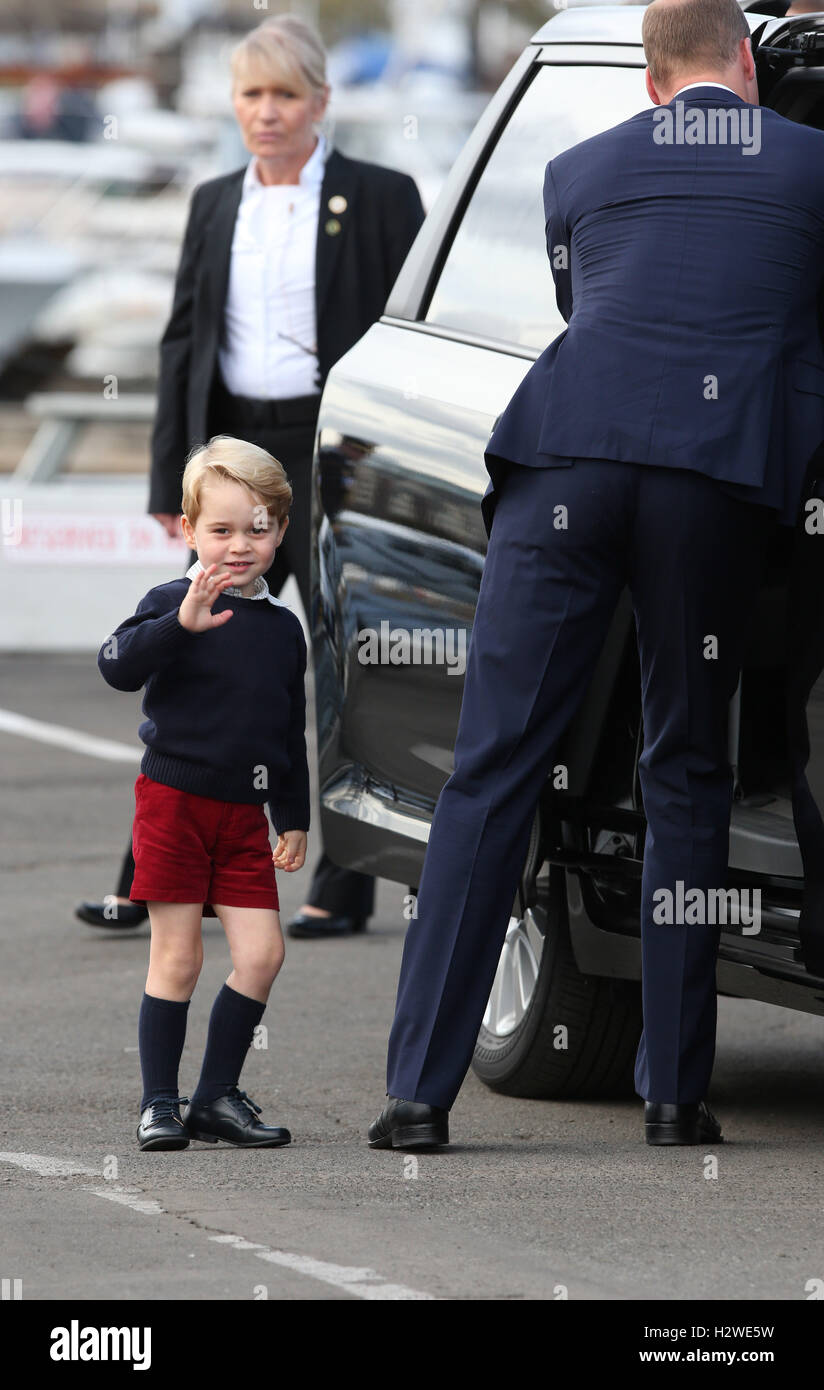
(690, 297)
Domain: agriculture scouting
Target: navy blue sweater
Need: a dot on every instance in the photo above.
(225, 709)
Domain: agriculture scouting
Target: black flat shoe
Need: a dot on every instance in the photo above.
(161, 1126)
(307, 925)
(681, 1124)
(409, 1124)
(128, 915)
(234, 1119)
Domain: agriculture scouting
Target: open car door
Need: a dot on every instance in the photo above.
(789, 57)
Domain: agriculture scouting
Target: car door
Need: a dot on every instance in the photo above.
(405, 419)
(790, 70)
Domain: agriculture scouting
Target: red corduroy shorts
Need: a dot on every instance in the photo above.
(196, 849)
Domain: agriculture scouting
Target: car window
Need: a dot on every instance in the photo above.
(496, 280)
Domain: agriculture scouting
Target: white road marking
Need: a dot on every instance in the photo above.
(62, 737)
(49, 1167)
(128, 1197)
(362, 1282)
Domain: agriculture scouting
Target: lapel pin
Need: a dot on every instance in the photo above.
(338, 203)
(332, 226)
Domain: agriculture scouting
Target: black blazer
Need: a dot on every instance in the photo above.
(355, 269)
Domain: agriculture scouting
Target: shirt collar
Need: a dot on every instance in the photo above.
(310, 176)
(261, 587)
(723, 85)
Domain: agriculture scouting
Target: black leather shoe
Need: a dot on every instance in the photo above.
(305, 924)
(409, 1124)
(128, 914)
(161, 1126)
(234, 1119)
(681, 1124)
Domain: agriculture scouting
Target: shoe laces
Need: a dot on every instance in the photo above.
(167, 1107)
(240, 1099)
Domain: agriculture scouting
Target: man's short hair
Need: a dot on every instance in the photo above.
(685, 35)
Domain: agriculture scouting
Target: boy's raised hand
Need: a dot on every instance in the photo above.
(290, 853)
(195, 612)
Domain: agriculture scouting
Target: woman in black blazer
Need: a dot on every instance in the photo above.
(257, 302)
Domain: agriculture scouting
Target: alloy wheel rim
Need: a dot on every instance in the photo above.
(517, 974)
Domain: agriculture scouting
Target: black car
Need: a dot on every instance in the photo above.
(399, 550)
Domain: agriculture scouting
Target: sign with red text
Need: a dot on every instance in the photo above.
(74, 538)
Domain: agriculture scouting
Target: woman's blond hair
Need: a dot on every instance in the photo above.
(238, 461)
(284, 46)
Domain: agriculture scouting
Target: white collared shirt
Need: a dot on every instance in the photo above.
(703, 84)
(270, 297)
(261, 587)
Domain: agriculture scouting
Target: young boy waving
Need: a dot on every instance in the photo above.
(223, 665)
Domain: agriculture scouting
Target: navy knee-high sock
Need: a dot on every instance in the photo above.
(232, 1023)
(161, 1033)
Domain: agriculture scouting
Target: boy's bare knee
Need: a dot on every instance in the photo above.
(266, 967)
(178, 963)
(258, 971)
(190, 980)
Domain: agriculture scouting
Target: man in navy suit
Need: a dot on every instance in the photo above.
(656, 443)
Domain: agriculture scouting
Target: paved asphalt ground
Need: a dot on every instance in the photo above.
(534, 1200)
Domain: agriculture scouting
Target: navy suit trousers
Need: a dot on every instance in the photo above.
(564, 543)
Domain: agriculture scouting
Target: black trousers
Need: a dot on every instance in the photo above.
(286, 430)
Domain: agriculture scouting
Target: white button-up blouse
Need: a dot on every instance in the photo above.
(270, 347)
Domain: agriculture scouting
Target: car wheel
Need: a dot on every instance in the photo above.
(548, 1030)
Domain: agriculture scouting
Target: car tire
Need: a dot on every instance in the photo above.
(570, 1035)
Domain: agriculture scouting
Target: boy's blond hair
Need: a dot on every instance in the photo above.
(238, 461)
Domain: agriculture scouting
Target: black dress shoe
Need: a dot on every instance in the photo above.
(681, 1124)
(233, 1118)
(161, 1126)
(128, 914)
(409, 1124)
(307, 925)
